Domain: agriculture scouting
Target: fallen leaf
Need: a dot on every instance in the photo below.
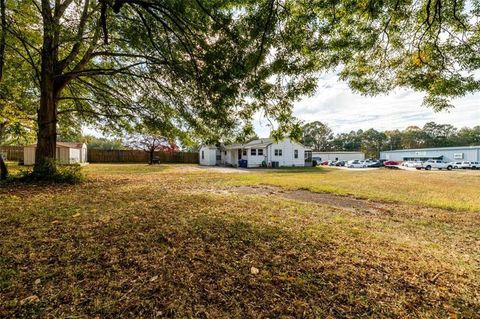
(76, 215)
(37, 282)
(29, 299)
(153, 278)
(254, 270)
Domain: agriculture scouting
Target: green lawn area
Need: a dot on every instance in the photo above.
(179, 241)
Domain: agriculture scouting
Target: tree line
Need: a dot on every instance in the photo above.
(319, 136)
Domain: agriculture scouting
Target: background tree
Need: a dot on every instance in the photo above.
(414, 137)
(317, 135)
(151, 142)
(103, 143)
(393, 140)
(373, 142)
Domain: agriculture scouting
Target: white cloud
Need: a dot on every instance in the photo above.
(335, 104)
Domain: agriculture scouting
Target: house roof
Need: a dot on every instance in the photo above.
(263, 142)
(63, 144)
(234, 146)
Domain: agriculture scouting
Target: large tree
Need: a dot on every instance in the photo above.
(199, 65)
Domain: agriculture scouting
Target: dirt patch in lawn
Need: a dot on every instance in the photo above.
(213, 169)
(356, 205)
(311, 197)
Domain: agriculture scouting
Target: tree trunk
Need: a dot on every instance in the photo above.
(47, 129)
(3, 169)
(151, 155)
(47, 112)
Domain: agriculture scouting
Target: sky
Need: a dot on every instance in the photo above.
(342, 110)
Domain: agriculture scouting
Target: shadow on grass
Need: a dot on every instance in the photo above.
(169, 259)
(311, 170)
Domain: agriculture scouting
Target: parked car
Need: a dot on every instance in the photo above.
(374, 164)
(332, 163)
(411, 163)
(456, 164)
(355, 164)
(324, 163)
(340, 163)
(428, 165)
(391, 163)
(467, 164)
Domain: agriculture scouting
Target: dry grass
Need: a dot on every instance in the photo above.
(451, 190)
(139, 241)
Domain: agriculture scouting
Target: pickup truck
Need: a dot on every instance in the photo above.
(428, 165)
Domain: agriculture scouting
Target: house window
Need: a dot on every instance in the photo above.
(260, 151)
(203, 155)
(278, 152)
(295, 153)
(244, 152)
(253, 151)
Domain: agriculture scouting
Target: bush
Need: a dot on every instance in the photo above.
(51, 171)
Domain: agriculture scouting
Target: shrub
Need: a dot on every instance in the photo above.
(50, 171)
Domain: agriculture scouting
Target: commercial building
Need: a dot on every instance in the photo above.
(447, 154)
(337, 156)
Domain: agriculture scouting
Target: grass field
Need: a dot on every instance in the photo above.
(178, 241)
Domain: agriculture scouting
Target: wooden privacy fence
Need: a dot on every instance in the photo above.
(137, 156)
(13, 153)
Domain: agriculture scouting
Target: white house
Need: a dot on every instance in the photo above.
(66, 153)
(256, 153)
(337, 156)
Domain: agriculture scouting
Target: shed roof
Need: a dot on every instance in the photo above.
(64, 144)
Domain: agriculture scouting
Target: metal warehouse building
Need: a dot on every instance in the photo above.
(337, 156)
(448, 154)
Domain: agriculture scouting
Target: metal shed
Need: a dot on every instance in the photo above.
(66, 153)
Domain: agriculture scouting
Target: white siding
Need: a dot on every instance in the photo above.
(288, 153)
(256, 160)
(64, 155)
(83, 154)
(29, 155)
(74, 156)
(208, 156)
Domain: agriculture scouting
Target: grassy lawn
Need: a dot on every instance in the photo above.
(181, 242)
(451, 190)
